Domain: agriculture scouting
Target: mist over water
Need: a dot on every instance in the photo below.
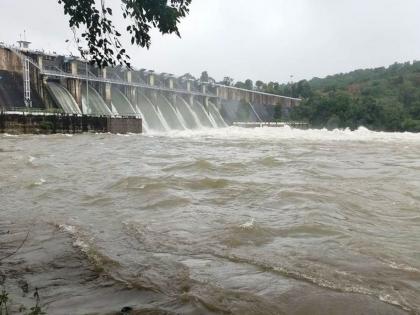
(217, 221)
(159, 112)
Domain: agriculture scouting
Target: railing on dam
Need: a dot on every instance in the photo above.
(252, 96)
(82, 77)
(22, 110)
(72, 68)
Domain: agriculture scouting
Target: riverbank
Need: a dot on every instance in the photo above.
(67, 279)
(70, 281)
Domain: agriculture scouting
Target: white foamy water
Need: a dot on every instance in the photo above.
(216, 221)
(248, 224)
(40, 182)
(284, 133)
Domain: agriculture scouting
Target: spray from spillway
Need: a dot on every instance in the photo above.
(178, 114)
(121, 104)
(151, 116)
(190, 116)
(95, 105)
(159, 112)
(217, 117)
(202, 115)
(205, 112)
(181, 118)
(255, 112)
(63, 98)
(126, 108)
(168, 112)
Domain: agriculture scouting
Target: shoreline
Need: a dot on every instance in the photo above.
(69, 283)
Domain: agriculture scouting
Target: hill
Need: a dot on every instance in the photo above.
(380, 99)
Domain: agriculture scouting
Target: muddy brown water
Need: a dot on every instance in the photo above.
(225, 221)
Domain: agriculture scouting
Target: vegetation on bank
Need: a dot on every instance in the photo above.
(380, 99)
(5, 301)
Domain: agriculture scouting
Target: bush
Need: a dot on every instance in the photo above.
(46, 126)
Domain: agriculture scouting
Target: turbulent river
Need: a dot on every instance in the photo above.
(222, 221)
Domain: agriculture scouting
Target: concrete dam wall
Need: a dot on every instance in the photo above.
(70, 86)
(43, 123)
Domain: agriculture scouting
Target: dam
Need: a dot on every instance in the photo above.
(34, 81)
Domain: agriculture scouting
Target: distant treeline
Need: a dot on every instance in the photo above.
(380, 99)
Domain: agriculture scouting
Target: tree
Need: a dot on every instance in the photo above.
(414, 110)
(102, 38)
(240, 85)
(303, 89)
(379, 99)
(249, 85)
(271, 87)
(228, 81)
(187, 76)
(204, 77)
(333, 122)
(278, 112)
(259, 84)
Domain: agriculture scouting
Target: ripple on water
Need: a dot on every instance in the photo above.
(269, 162)
(335, 214)
(207, 183)
(97, 200)
(253, 233)
(37, 183)
(140, 183)
(170, 202)
(196, 166)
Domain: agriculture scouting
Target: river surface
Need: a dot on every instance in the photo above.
(224, 221)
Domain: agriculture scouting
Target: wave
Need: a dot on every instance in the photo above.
(248, 233)
(171, 280)
(338, 284)
(269, 161)
(257, 234)
(197, 165)
(401, 266)
(169, 182)
(37, 183)
(287, 133)
(8, 135)
(81, 241)
(208, 183)
(270, 134)
(169, 203)
(139, 183)
(162, 273)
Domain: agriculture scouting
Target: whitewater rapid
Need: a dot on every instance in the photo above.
(267, 134)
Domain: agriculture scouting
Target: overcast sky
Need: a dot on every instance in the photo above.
(267, 40)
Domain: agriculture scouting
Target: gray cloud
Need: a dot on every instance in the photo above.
(268, 41)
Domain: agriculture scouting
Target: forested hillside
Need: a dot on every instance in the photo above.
(380, 99)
